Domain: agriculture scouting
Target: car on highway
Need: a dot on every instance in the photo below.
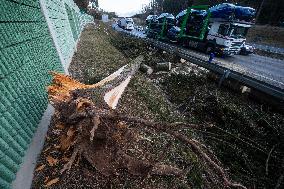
(139, 28)
(126, 23)
(246, 49)
(151, 18)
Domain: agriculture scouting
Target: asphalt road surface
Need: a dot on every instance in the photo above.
(262, 68)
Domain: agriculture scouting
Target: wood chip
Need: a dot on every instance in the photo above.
(51, 182)
(83, 103)
(67, 140)
(121, 125)
(51, 161)
(70, 132)
(65, 159)
(56, 146)
(46, 179)
(60, 126)
(40, 168)
(46, 150)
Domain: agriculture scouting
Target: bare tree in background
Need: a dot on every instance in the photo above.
(82, 4)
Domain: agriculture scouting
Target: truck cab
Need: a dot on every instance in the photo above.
(226, 38)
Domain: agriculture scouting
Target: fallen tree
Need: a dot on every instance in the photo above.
(95, 131)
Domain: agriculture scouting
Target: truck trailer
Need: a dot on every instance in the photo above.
(220, 29)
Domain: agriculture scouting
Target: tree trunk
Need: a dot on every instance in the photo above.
(259, 11)
(146, 69)
(165, 66)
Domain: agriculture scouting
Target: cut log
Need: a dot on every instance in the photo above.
(165, 66)
(245, 89)
(146, 69)
(63, 86)
(182, 61)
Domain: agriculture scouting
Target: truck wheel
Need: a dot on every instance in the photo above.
(209, 49)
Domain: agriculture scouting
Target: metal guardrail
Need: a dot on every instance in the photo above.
(246, 80)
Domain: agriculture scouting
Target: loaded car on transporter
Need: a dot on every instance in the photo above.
(220, 29)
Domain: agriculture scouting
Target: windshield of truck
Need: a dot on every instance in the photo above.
(224, 29)
(238, 31)
(129, 22)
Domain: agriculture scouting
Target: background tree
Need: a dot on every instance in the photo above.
(82, 4)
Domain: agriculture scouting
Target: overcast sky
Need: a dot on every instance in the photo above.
(123, 7)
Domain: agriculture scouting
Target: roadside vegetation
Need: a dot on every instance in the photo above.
(246, 136)
(245, 132)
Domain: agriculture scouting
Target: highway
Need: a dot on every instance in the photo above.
(260, 68)
(263, 68)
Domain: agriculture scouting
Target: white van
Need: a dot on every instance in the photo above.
(126, 23)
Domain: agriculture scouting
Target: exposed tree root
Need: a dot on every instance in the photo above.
(97, 133)
(195, 145)
(68, 165)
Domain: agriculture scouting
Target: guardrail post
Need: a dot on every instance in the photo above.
(224, 76)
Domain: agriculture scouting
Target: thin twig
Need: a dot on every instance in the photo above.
(96, 121)
(268, 158)
(273, 128)
(197, 150)
(160, 125)
(68, 165)
(243, 140)
(194, 146)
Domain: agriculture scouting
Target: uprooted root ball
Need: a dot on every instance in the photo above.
(103, 137)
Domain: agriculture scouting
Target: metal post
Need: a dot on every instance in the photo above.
(225, 76)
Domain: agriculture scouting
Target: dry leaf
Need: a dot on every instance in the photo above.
(51, 182)
(57, 146)
(46, 179)
(65, 159)
(67, 140)
(46, 149)
(40, 168)
(70, 132)
(51, 161)
(82, 104)
(60, 126)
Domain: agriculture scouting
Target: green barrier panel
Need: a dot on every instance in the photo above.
(6, 174)
(4, 184)
(27, 54)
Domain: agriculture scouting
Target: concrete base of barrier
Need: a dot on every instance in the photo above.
(25, 175)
